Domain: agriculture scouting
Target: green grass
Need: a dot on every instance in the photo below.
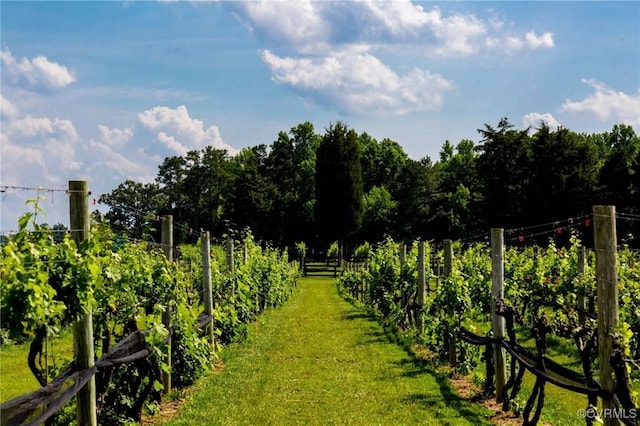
(15, 377)
(320, 360)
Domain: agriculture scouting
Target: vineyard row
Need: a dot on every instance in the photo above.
(110, 290)
(591, 298)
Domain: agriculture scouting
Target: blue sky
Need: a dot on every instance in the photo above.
(104, 91)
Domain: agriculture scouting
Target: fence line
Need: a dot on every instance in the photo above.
(38, 406)
(614, 386)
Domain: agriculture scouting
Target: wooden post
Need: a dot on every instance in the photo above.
(497, 321)
(606, 248)
(167, 236)
(230, 254)
(421, 286)
(167, 247)
(84, 356)
(230, 267)
(402, 257)
(206, 282)
(581, 301)
(448, 267)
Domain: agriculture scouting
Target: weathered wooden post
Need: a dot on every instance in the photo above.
(84, 356)
(606, 248)
(229, 248)
(230, 266)
(167, 247)
(448, 267)
(206, 283)
(421, 286)
(582, 266)
(497, 293)
(402, 257)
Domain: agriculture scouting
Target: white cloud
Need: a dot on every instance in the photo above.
(44, 148)
(29, 126)
(297, 22)
(330, 49)
(536, 42)
(7, 108)
(606, 103)
(535, 118)
(181, 133)
(115, 137)
(317, 27)
(457, 35)
(513, 43)
(114, 152)
(171, 143)
(359, 84)
(38, 72)
(120, 165)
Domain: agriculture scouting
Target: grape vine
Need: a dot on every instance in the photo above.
(49, 284)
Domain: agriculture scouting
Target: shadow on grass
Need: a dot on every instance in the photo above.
(414, 367)
(358, 315)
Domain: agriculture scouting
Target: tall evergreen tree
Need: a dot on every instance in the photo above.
(502, 168)
(338, 207)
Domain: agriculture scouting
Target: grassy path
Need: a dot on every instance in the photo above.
(319, 360)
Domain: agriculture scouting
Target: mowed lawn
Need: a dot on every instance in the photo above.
(319, 360)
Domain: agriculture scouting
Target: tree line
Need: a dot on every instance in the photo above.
(346, 185)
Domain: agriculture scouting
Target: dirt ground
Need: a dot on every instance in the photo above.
(469, 391)
(170, 408)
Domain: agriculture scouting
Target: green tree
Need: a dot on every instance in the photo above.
(391, 162)
(456, 204)
(132, 205)
(619, 177)
(59, 231)
(291, 168)
(196, 186)
(378, 214)
(338, 178)
(250, 203)
(417, 186)
(370, 159)
(563, 175)
(382, 162)
(502, 168)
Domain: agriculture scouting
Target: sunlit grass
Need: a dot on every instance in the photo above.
(15, 377)
(319, 360)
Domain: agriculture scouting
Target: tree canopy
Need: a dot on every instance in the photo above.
(319, 188)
